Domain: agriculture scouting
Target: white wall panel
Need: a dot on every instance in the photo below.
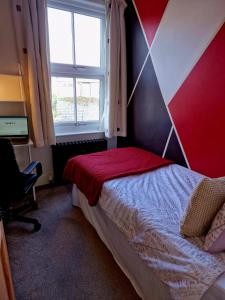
(185, 31)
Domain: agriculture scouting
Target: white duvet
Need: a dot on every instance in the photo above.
(148, 209)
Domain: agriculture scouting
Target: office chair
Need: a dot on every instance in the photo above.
(16, 187)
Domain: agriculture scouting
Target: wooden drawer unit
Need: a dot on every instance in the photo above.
(6, 286)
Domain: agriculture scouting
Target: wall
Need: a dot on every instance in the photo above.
(8, 53)
(176, 80)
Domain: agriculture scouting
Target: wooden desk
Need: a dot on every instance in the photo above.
(6, 285)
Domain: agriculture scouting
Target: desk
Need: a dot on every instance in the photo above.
(6, 285)
(26, 145)
(24, 157)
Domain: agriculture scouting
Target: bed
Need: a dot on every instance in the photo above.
(144, 239)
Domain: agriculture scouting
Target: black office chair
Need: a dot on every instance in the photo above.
(16, 187)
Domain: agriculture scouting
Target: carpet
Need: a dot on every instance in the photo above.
(65, 259)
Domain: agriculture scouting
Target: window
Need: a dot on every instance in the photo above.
(77, 55)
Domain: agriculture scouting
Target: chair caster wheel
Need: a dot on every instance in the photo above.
(37, 227)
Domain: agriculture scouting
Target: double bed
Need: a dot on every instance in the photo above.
(138, 218)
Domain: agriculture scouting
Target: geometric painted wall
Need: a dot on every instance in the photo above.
(176, 81)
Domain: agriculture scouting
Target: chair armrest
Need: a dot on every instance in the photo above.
(33, 165)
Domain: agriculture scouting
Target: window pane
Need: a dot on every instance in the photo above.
(87, 40)
(60, 36)
(87, 91)
(63, 99)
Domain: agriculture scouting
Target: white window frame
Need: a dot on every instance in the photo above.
(92, 9)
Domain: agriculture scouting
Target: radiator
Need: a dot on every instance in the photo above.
(61, 152)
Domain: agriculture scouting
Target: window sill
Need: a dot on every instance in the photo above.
(77, 133)
(79, 136)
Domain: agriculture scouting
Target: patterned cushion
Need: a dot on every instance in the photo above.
(215, 238)
(206, 200)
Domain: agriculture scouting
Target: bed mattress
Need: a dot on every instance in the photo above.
(162, 261)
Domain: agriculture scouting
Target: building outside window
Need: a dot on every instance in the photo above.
(77, 56)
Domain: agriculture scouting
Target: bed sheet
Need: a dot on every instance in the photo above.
(147, 286)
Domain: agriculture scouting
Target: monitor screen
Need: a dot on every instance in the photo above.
(13, 126)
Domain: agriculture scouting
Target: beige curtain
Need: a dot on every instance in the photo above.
(115, 117)
(32, 39)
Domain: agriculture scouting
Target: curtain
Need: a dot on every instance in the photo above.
(115, 116)
(33, 47)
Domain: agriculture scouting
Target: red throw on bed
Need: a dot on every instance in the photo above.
(90, 171)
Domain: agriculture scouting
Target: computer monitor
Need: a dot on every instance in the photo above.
(14, 127)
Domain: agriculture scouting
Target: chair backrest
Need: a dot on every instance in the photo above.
(7, 157)
(9, 170)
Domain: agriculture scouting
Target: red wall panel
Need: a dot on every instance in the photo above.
(150, 13)
(198, 111)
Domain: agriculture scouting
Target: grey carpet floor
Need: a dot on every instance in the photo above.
(65, 259)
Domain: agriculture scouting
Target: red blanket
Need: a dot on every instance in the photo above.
(90, 171)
